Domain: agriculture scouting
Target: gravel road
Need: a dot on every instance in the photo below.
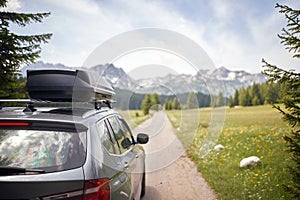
(170, 173)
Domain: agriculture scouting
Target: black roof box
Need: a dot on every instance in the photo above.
(67, 86)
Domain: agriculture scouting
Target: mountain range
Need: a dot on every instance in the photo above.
(205, 81)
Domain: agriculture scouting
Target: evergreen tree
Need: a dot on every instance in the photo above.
(256, 98)
(220, 101)
(176, 104)
(272, 93)
(166, 105)
(170, 106)
(290, 83)
(245, 98)
(155, 103)
(16, 50)
(231, 102)
(155, 99)
(192, 101)
(146, 104)
(236, 98)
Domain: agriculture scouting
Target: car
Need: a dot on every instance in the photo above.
(55, 148)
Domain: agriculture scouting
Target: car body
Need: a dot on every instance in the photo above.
(68, 142)
(68, 153)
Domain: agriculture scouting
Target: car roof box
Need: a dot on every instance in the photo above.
(67, 86)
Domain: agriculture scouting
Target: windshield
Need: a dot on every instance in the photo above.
(47, 150)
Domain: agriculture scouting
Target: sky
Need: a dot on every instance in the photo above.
(234, 34)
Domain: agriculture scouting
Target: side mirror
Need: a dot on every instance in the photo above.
(142, 138)
(126, 143)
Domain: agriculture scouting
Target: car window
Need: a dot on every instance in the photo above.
(47, 150)
(125, 128)
(108, 142)
(118, 132)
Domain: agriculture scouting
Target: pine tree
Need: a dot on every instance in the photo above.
(192, 101)
(170, 105)
(290, 83)
(17, 50)
(245, 98)
(166, 105)
(155, 102)
(231, 102)
(272, 93)
(220, 101)
(236, 98)
(256, 98)
(176, 104)
(146, 104)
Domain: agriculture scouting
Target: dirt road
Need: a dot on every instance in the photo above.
(170, 173)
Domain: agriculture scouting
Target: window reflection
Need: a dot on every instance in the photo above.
(50, 150)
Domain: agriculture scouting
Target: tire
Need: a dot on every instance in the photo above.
(143, 191)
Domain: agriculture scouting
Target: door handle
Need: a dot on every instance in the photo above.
(123, 178)
(126, 165)
(136, 155)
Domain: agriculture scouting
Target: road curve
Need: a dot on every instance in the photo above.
(170, 173)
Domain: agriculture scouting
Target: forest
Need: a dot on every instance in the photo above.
(256, 94)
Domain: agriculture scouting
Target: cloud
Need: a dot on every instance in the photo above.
(12, 6)
(236, 35)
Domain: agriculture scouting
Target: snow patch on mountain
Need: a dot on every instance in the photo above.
(205, 81)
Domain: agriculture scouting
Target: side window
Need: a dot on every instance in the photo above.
(119, 133)
(108, 142)
(125, 128)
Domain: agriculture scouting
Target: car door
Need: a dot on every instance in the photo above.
(119, 182)
(135, 155)
(129, 155)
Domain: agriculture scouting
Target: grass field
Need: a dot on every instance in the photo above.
(247, 131)
(133, 117)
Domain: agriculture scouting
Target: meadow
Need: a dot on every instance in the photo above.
(246, 131)
(133, 117)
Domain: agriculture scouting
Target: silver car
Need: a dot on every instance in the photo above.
(65, 151)
(61, 153)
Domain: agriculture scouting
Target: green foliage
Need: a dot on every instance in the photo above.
(126, 99)
(176, 104)
(155, 99)
(290, 90)
(192, 101)
(256, 94)
(255, 130)
(146, 104)
(150, 102)
(16, 50)
(290, 37)
(219, 101)
(231, 103)
(166, 105)
(236, 98)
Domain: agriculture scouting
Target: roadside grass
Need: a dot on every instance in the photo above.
(247, 131)
(133, 117)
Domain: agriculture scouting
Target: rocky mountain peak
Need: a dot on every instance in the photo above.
(204, 81)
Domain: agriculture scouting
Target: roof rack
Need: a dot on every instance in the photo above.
(67, 85)
(29, 102)
(98, 104)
